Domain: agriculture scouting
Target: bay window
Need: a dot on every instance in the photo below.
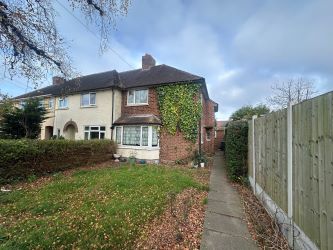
(137, 97)
(94, 132)
(141, 135)
(88, 99)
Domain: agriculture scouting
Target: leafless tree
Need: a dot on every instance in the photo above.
(30, 44)
(291, 91)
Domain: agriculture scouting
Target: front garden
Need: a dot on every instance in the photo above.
(105, 207)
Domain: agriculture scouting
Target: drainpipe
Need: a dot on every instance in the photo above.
(112, 114)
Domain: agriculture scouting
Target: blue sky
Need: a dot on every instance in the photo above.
(241, 47)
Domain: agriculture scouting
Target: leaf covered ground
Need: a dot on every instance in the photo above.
(102, 208)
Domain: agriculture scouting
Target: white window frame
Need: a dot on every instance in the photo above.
(41, 103)
(51, 100)
(134, 101)
(90, 104)
(121, 134)
(150, 136)
(208, 130)
(63, 99)
(89, 131)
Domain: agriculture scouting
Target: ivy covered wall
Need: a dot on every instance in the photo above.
(180, 109)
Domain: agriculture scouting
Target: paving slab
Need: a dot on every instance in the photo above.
(221, 241)
(225, 226)
(231, 209)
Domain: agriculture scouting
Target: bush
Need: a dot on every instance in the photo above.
(20, 159)
(236, 149)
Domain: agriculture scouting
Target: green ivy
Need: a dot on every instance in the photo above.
(180, 108)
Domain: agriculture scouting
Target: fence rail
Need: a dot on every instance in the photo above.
(307, 177)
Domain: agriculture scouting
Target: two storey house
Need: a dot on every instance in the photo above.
(123, 106)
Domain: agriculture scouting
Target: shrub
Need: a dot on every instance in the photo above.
(20, 159)
(236, 149)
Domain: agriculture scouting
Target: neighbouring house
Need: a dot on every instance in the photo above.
(219, 133)
(124, 107)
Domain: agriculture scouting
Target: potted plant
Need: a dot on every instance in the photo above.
(132, 159)
(199, 160)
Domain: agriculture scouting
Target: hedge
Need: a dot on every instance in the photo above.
(22, 158)
(236, 147)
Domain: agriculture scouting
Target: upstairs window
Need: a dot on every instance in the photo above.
(63, 102)
(137, 97)
(41, 103)
(88, 99)
(21, 104)
(51, 103)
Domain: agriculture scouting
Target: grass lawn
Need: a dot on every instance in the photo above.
(100, 208)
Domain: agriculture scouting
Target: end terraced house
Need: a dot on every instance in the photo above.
(123, 106)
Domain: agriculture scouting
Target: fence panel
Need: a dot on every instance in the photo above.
(312, 164)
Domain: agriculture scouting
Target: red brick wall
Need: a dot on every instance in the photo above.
(175, 147)
(219, 138)
(151, 108)
(208, 123)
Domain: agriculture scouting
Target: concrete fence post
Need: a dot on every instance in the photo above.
(254, 155)
(290, 172)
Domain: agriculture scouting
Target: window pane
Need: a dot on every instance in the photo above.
(154, 137)
(102, 135)
(208, 134)
(102, 128)
(144, 136)
(63, 102)
(85, 100)
(92, 98)
(118, 135)
(141, 96)
(41, 103)
(86, 128)
(94, 135)
(86, 135)
(94, 128)
(51, 103)
(130, 96)
(131, 135)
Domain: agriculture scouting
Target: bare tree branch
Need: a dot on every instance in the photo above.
(30, 44)
(291, 91)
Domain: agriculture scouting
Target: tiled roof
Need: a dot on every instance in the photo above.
(156, 75)
(137, 119)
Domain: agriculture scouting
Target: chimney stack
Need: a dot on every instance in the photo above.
(57, 80)
(147, 62)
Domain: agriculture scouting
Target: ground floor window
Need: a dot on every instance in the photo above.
(208, 134)
(94, 132)
(140, 135)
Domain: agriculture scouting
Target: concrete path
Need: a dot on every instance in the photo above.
(225, 226)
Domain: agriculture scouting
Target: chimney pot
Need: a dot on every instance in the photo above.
(57, 80)
(147, 62)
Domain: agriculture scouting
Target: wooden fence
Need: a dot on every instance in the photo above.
(297, 178)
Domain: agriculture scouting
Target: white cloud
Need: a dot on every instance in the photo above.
(241, 47)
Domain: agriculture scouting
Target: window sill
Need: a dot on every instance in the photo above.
(62, 108)
(138, 147)
(90, 106)
(137, 104)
